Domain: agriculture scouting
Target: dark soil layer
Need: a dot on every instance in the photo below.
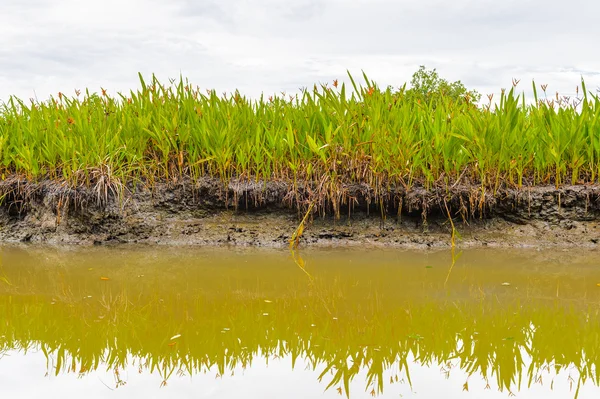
(209, 212)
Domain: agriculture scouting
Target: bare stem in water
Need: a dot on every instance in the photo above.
(295, 240)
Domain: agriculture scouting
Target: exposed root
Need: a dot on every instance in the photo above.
(106, 183)
(104, 201)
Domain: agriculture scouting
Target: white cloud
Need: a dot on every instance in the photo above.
(48, 46)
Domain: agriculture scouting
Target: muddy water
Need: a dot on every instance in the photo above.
(173, 322)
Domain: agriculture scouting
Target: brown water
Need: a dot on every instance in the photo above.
(229, 323)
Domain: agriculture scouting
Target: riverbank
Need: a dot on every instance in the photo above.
(250, 213)
(174, 164)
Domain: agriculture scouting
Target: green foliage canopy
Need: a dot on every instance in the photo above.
(427, 86)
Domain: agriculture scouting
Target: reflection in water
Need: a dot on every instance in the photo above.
(509, 319)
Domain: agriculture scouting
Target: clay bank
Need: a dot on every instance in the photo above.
(250, 213)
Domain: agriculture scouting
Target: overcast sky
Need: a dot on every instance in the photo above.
(269, 46)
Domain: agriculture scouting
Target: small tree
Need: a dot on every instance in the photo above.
(427, 86)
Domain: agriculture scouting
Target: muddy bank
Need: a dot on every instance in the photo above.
(209, 212)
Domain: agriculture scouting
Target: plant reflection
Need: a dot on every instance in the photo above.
(337, 323)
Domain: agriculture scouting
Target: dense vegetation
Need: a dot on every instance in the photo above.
(433, 133)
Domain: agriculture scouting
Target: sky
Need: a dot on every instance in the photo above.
(26, 378)
(270, 46)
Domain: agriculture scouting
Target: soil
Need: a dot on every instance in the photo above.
(250, 213)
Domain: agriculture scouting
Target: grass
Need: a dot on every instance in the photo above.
(328, 136)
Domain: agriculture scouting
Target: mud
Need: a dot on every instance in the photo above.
(250, 213)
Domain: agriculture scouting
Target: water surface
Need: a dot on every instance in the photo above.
(175, 322)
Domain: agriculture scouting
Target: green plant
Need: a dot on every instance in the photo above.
(325, 138)
(428, 86)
